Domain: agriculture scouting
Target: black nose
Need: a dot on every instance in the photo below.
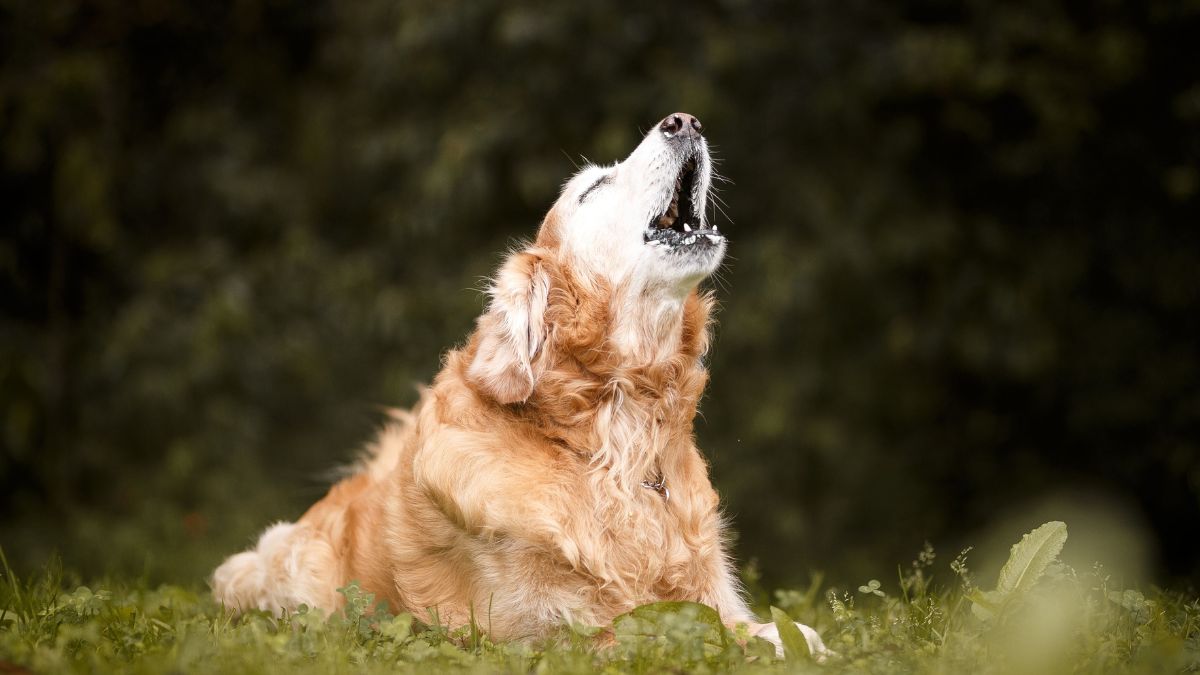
(681, 124)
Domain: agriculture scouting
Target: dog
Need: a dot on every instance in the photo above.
(549, 475)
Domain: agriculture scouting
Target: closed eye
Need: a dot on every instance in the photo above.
(600, 181)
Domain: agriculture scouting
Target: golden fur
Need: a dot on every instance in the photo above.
(514, 487)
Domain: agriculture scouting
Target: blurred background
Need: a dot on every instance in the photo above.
(962, 295)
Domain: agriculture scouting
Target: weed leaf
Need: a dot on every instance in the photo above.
(690, 631)
(795, 647)
(1030, 557)
(1027, 562)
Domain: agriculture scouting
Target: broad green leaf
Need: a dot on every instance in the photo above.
(795, 647)
(647, 618)
(1027, 562)
(659, 622)
(1030, 556)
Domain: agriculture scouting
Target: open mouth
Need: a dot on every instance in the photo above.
(681, 224)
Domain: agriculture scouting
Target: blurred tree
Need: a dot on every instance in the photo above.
(965, 266)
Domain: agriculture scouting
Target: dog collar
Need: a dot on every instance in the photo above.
(659, 486)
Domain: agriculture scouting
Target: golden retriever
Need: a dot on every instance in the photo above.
(549, 475)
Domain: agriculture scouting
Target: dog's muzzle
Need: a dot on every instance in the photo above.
(681, 225)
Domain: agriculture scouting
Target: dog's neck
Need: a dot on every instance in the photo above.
(628, 380)
(647, 324)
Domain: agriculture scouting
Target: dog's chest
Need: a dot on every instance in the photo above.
(649, 544)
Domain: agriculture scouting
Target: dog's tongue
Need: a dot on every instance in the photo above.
(666, 219)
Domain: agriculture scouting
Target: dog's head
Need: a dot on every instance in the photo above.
(642, 221)
(635, 234)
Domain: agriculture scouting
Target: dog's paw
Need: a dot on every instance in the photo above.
(816, 646)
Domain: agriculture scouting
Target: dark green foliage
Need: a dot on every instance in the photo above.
(965, 263)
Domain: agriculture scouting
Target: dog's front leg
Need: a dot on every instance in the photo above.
(726, 596)
(770, 632)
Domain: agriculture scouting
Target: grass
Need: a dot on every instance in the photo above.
(1042, 617)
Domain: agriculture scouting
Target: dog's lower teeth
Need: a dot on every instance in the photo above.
(690, 240)
(712, 238)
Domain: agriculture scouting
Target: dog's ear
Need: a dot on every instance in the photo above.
(512, 331)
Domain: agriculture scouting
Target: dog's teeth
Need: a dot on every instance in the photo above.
(687, 228)
(712, 238)
(690, 240)
(714, 227)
